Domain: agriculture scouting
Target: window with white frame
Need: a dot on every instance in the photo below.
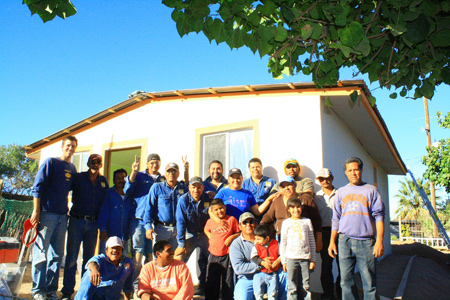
(80, 159)
(233, 148)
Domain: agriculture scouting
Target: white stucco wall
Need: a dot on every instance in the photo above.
(289, 126)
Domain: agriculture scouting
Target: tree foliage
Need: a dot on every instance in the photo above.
(411, 205)
(49, 9)
(438, 158)
(16, 170)
(402, 44)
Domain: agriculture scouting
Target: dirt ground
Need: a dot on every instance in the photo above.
(429, 278)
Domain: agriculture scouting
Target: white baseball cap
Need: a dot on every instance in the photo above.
(114, 241)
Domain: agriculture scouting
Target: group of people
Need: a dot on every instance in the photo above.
(255, 236)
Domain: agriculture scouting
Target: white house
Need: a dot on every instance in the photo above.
(233, 124)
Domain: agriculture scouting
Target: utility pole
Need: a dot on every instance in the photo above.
(432, 190)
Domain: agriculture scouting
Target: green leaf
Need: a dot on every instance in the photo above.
(327, 66)
(352, 35)
(396, 29)
(417, 30)
(306, 31)
(354, 96)
(372, 100)
(363, 47)
(281, 34)
(441, 39)
(317, 31)
(393, 96)
(345, 50)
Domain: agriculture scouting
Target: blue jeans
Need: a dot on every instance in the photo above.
(298, 279)
(282, 285)
(200, 241)
(263, 282)
(168, 233)
(352, 252)
(48, 252)
(243, 289)
(79, 231)
(139, 243)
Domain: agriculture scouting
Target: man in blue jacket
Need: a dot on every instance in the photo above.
(88, 192)
(191, 215)
(137, 186)
(215, 181)
(258, 184)
(107, 275)
(159, 216)
(116, 212)
(51, 187)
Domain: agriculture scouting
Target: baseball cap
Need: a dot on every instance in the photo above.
(153, 156)
(291, 161)
(172, 166)
(94, 156)
(114, 241)
(195, 179)
(246, 216)
(288, 179)
(324, 173)
(234, 171)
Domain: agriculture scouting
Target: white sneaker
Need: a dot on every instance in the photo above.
(38, 296)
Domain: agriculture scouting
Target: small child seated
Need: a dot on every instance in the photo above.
(219, 276)
(265, 253)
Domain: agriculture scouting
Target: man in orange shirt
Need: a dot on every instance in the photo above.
(165, 278)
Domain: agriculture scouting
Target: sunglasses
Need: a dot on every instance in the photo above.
(251, 222)
(95, 162)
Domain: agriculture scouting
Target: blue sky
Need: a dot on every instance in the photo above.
(53, 75)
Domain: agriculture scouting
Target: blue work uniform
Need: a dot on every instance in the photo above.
(138, 191)
(260, 191)
(161, 209)
(209, 187)
(191, 218)
(87, 198)
(115, 214)
(113, 279)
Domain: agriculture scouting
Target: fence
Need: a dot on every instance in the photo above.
(419, 231)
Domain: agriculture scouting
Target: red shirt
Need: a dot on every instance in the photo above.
(217, 245)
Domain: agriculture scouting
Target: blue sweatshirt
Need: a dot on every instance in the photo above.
(356, 210)
(115, 214)
(236, 201)
(260, 191)
(241, 260)
(52, 184)
(162, 203)
(138, 190)
(86, 197)
(191, 217)
(113, 280)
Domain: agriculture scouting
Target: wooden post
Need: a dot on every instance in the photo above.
(400, 236)
(1, 187)
(432, 190)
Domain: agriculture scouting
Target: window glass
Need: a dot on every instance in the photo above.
(120, 159)
(80, 159)
(234, 149)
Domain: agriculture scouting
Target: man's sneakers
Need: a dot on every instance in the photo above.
(38, 296)
(66, 296)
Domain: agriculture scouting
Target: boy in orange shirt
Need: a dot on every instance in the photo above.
(165, 278)
(220, 272)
